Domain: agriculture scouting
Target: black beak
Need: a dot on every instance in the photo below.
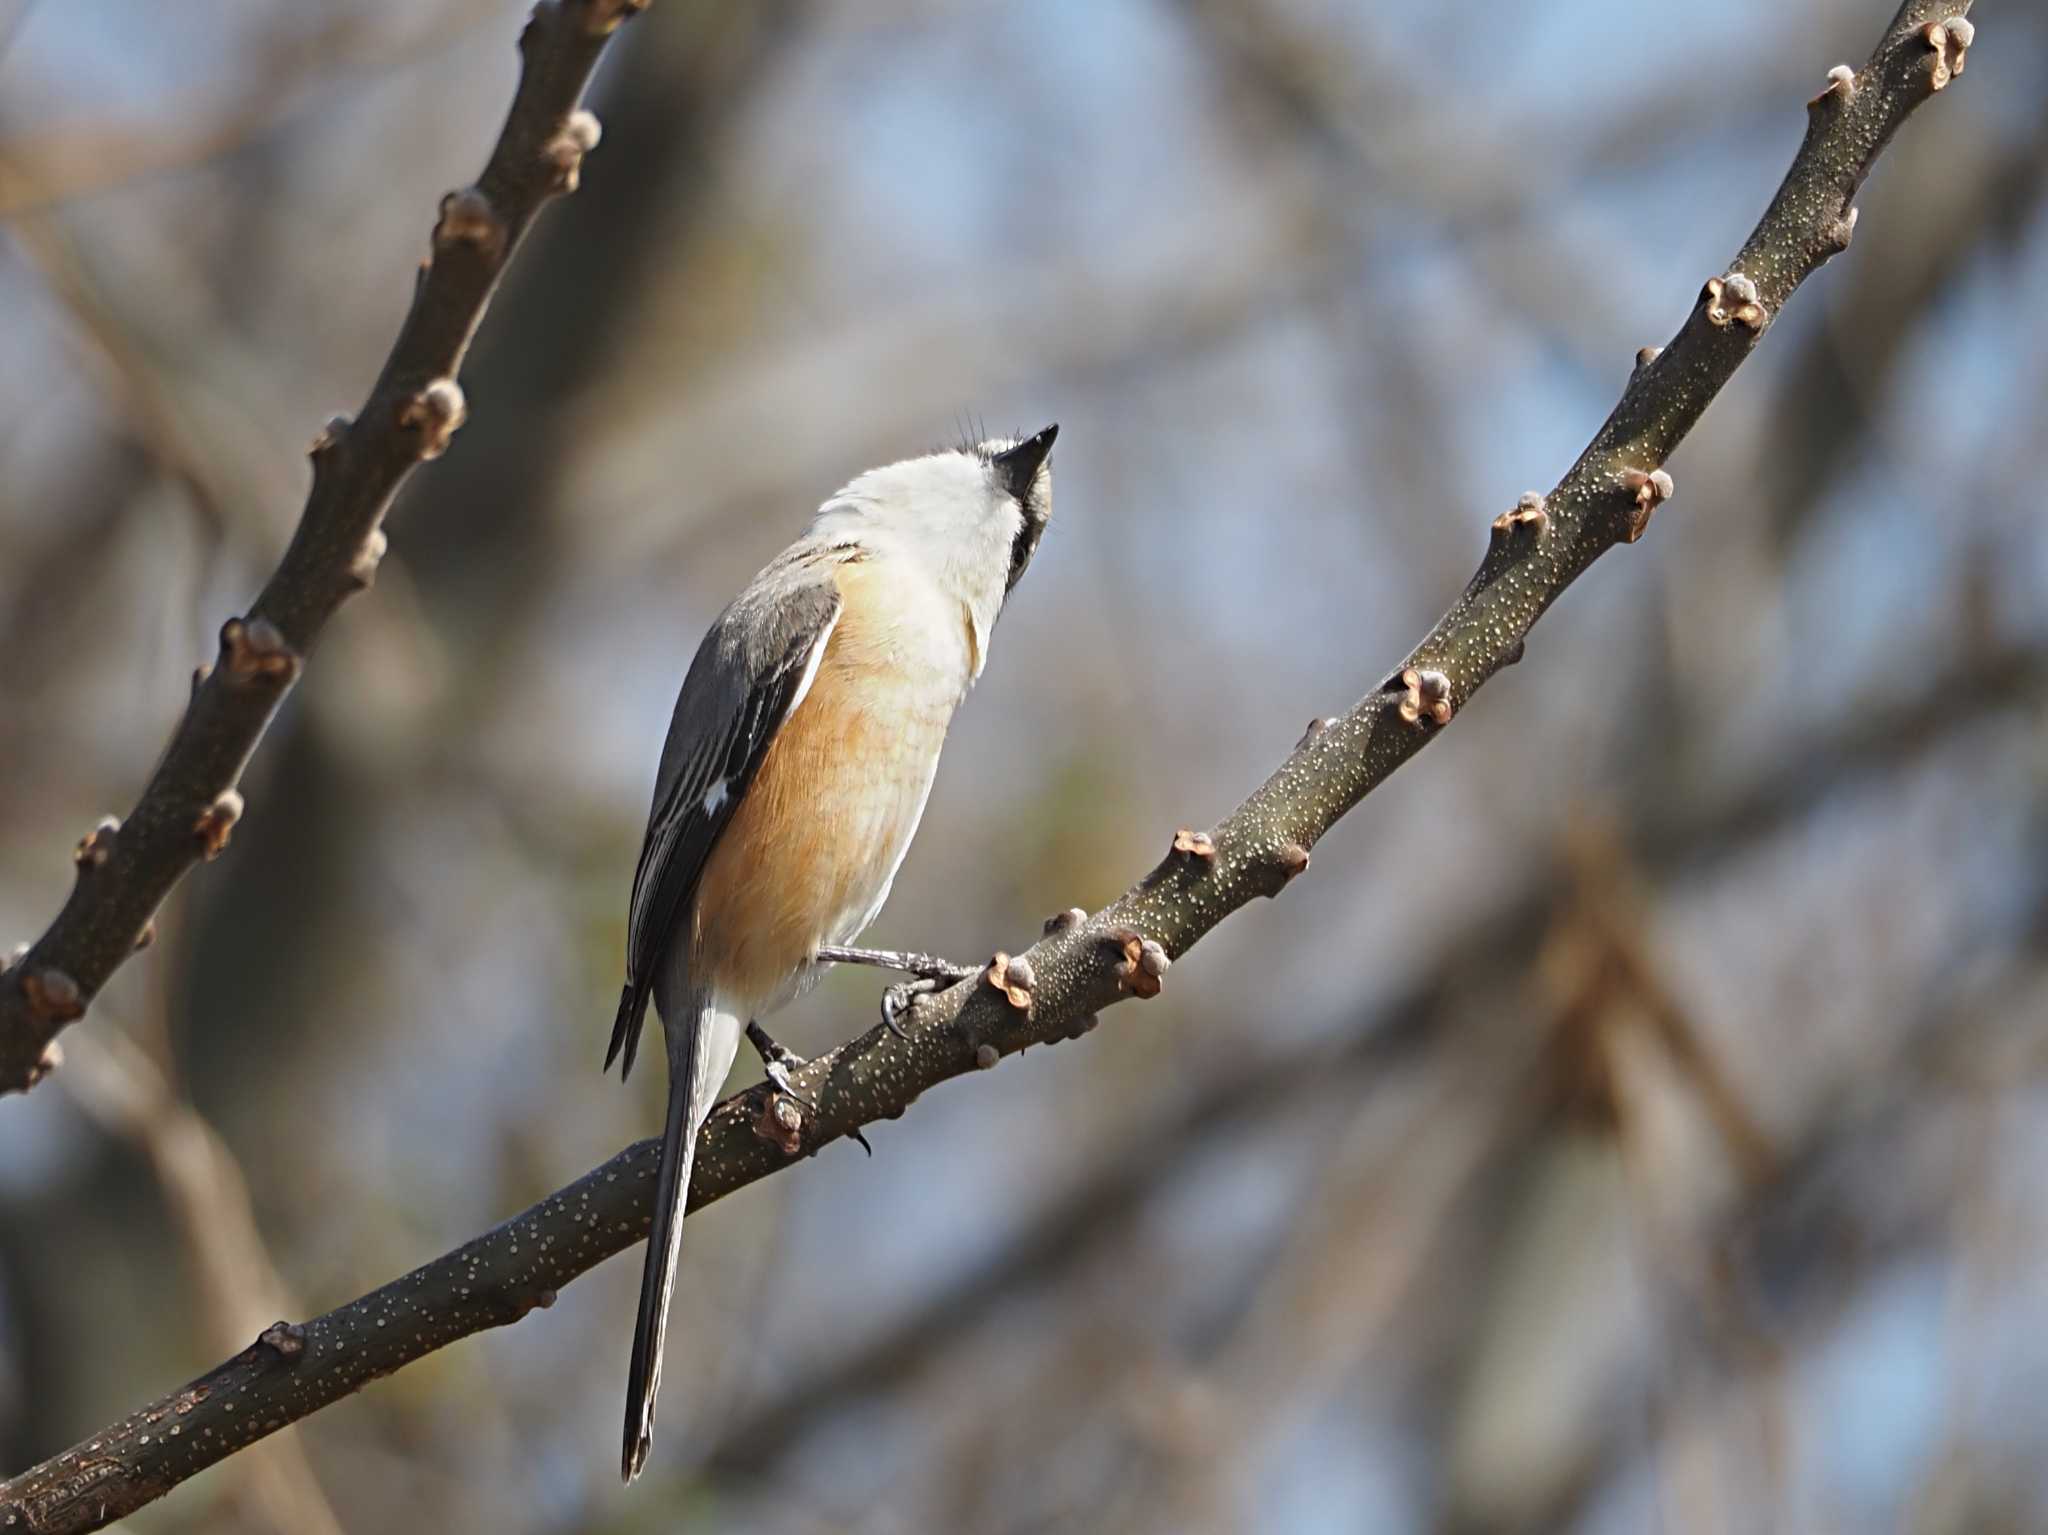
(1017, 467)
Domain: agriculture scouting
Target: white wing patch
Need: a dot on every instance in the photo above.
(810, 675)
(716, 795)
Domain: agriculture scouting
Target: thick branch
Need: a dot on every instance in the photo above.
(1053, 991)
(188, 809)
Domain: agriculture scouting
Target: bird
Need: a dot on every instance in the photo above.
(803, 745)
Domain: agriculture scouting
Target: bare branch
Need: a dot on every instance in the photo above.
(1890, 738)
(189, 807)
(1081, 965)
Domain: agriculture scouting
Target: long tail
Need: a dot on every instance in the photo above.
(701, 1044)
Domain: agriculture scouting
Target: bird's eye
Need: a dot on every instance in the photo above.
(1016, 471)
(1025, 544)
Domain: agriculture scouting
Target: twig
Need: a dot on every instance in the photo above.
(191, 803)
(133, 385)
(1053, 990)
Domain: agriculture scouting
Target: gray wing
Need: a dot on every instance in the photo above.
(752, 669)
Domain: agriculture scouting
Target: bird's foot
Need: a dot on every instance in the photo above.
(931, 972)
(777, 1062)
(900, 998)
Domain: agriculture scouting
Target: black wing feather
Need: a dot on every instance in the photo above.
(744, 681)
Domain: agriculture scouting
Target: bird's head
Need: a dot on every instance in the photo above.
(972, 515)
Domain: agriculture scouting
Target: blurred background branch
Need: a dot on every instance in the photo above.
(129, 1096)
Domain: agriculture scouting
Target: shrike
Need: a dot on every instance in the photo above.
(796, 768)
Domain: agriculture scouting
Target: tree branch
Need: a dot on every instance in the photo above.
(126, 869)
(1890, 737)
(1053, 991)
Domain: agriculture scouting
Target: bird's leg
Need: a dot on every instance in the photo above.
(925, 966)
(930, 970)
(778, 1061)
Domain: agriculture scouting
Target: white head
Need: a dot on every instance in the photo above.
(970, 516)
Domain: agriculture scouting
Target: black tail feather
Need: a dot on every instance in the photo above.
(626, 1028)
(664, 1244)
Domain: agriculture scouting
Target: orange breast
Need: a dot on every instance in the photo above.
(809, 854)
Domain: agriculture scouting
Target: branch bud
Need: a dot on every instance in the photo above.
(781, 1124)
(434, 414)
(1060, 921)
(216, 823)
(330, 436)
(565, 151)
(1013, 977)
(467, 218)
(254, 648)
(1292, 861)
(1843, 230)
(1315, 728)
(1733, 300)
(1530, 511)
(1650, 489)
(1425, 693)
(53, 996)
(1142, 964)
(97, 845)
(1949, 41)
(362, 569)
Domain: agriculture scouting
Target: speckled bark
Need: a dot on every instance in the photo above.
(357, 469)
(1080, 966)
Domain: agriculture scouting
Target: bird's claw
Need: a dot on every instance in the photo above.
(777, 1062)
(777, 1072)
(902, 997)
